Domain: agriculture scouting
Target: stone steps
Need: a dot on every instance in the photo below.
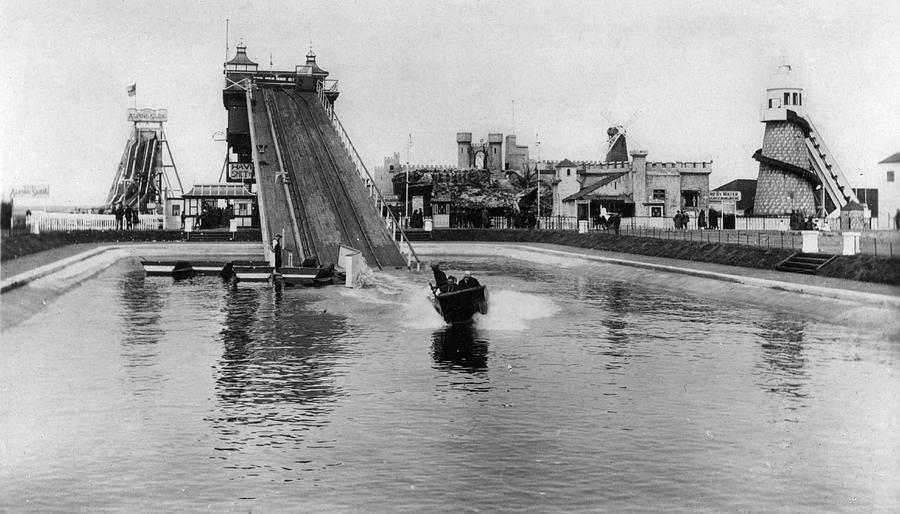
(807, 263)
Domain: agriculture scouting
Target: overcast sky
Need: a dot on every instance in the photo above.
(690, 75)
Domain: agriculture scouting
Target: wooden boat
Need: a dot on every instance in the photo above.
(159, 268)
(222, 269)
(459, 306)
(252, 271)
(177, 269)
(182, 270)
(308, 276)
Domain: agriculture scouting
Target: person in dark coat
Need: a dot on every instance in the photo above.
(440, 278)
(468, 281)
(276, 249)
(701, 220)
(685, 219)
(677, 220)
(129, 218)
(119, 211)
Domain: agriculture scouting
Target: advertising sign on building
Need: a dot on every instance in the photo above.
(31, 191)
(724, 196)
(240, 171)
(148, 115)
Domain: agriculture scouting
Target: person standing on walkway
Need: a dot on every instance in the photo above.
(677, 219)
(129, 218)
(897, 220)
(119, 211)
(276, 249)
(685, 219)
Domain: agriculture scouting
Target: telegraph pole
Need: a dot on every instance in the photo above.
(406, 196)
(537, 167)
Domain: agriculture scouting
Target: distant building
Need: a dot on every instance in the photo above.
(630, 188)
(482, 155)
(746, 196)
(888, 189)
(516, 155)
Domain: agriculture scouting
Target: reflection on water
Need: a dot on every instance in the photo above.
(276, 373)
(782, 368)
(142, 304)
(580, 391)
(459, 347)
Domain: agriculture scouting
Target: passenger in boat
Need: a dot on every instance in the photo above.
(440, 278)
(310, 262)
(468, 281)
(451, 284)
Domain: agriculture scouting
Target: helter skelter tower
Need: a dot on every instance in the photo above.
(797, 172)
(147, 175)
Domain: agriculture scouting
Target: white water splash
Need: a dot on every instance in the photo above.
(514, 310)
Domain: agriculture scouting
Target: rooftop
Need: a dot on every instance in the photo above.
(219, 191)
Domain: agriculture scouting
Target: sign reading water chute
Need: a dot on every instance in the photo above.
(723, 196)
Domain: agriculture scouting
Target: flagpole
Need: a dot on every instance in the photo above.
(406, 197)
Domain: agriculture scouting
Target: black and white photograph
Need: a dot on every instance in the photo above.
(462, 256)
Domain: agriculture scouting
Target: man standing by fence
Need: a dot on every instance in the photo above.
(119, 211)
(129, 218)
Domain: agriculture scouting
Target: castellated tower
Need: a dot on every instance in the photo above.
(495, 152)
(786, 181)
(465, 156)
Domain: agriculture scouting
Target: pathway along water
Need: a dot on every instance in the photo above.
(588, 386)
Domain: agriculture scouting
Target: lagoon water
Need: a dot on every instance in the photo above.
(586, 388)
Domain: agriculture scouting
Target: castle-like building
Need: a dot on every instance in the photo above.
(581, 189)
(629, 188)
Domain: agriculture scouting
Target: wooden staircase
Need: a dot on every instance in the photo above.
(808, 263)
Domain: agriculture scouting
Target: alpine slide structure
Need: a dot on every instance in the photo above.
(312, 186)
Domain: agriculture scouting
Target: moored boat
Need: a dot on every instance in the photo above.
(220, 268)
(252, 271)
(177, 269)
(459, 306)
(308, 276)
(158, 268)
(182, 270)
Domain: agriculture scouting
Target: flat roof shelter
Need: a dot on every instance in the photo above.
(218, 203)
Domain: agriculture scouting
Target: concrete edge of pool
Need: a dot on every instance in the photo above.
(785, 281)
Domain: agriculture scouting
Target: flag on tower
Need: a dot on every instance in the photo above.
(132, 90)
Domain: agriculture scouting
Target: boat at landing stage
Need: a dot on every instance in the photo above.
(159, 268)
(252, 271)
(175, 269)
(459, 306)
(185, 269)
(307, 275)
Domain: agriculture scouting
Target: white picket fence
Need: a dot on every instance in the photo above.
(63, 222)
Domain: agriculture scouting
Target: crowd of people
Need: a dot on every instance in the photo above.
(682, 219)
(127, 217)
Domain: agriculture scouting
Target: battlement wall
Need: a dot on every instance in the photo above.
(679, 166)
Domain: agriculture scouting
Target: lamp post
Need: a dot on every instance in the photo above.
(537, 168)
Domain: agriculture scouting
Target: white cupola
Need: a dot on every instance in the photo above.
(784, 93)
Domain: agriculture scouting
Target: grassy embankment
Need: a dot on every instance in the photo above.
(866, 268)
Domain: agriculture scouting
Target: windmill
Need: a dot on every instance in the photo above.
(617, 139)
